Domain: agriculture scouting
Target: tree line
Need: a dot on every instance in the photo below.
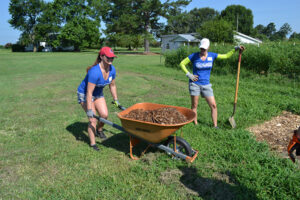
(130, 23)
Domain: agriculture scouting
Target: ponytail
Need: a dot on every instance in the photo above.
(98, 60)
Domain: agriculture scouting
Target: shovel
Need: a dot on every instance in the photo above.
(231, 119)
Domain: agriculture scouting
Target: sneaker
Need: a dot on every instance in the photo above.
(95, 147)
(100, 134)
(216, 127)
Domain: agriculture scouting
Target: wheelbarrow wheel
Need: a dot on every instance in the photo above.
(182, 146)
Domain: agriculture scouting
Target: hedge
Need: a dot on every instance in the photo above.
(282, 58)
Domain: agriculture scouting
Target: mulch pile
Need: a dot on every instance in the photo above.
(159, 116)
(278, 131)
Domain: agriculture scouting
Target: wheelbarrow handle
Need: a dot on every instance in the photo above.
(105, 121)
(119, 106)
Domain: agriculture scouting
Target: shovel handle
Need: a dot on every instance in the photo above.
(238, 77)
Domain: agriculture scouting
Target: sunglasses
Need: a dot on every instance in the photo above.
(110, 58)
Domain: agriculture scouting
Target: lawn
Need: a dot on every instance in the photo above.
(44, 151)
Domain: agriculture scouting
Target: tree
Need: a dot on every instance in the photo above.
(269, 30)
(139, 17)
(122, 23)
(24, 17)
(217, 30)
(259, 28)
(189, 22)
(80, 21)
(200, 15)
(240, 17)
(284, 30)
(295, 36)
(258, 32)
(178, 24)
(49, 24)
(79, 33)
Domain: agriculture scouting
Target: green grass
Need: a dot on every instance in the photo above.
(44, 151)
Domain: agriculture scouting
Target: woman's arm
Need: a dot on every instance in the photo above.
(183, 64)
(227, 55)
(113, 89)
(89, 94)
(230, 53)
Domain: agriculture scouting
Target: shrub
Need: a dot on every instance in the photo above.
(40, 48)
(282, 58)
(17, 48)
(8, 45)
(174, 57)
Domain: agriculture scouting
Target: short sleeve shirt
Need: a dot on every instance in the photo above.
(202, 68)
(95, 76)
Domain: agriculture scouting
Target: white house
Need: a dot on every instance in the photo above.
(171, 42)
(242, 38)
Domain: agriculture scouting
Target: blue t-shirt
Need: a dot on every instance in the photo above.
(95, 76)
(202, 68)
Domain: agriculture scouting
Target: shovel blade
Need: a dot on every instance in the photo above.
(232, 122)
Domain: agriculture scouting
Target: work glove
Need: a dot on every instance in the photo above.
(116, 103)
(236, 48)
(90, 113)
(192, 76)
(241, 48)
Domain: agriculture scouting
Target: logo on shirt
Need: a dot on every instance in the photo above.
(209, 58)
(200, 65)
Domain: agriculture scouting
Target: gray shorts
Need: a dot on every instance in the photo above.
(204, 90)
(82, 97)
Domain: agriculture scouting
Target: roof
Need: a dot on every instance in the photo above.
(185, 38)
(248, 37)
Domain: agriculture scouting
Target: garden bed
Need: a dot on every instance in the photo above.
(278, 131)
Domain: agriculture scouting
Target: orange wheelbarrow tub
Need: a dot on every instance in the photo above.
(156, 134)
(152, 132)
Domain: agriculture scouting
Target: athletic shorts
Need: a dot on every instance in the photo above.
(82, 97)
(204, 90)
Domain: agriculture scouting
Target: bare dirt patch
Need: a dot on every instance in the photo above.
(186, 181)
(278, 131)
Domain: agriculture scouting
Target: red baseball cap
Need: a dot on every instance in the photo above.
(107, 51)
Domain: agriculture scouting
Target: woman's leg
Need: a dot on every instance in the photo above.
(92, 124)
(194, 106)
(213, 107)
(101, 107)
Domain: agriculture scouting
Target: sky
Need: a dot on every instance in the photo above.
(264, 12)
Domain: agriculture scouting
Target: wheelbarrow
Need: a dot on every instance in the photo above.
(160, 136)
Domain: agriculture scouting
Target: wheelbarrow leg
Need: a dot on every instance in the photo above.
(132, 142)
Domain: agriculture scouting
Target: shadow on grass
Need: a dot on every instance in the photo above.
(223, 186)
(118, 141)
(225, 125)
(77, 129)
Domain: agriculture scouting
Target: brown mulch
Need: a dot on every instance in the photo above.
(278, 131)
(159, 116)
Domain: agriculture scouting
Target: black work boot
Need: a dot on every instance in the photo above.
(100, 134)
(95, 147)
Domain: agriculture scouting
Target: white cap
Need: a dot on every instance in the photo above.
(204, 44)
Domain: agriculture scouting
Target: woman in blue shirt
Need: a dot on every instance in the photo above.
(199, 81)
(90, 92)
